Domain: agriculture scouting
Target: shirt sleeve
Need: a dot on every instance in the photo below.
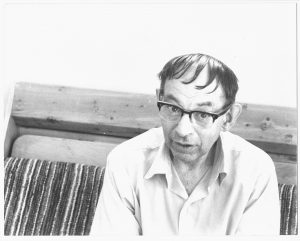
(115, 213)
(262, 213)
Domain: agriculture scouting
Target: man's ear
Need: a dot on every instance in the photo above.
(231, 116)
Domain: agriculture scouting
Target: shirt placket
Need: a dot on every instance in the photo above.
(185, 222)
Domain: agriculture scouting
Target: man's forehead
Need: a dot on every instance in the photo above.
(190, 91)
(176, 98)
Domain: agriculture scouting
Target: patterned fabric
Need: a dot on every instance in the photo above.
(50, 198)
(59, 198)
(289, 209)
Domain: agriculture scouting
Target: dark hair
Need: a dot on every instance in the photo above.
(178, 66)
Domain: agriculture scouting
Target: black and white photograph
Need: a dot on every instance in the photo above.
(150, 118)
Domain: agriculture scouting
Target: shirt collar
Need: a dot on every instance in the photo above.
(223, 156)
(162, 162)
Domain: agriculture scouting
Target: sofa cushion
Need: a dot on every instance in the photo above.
(50, 198)
(288, 209)
(59, 198)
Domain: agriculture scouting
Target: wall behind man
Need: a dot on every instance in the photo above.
(122, 47)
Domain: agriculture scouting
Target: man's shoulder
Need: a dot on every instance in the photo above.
(236, 143)
(136, 151)
(244, 153)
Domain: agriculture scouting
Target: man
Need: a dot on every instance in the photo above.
(191, 176)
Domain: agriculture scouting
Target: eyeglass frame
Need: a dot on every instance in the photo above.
(183, 111)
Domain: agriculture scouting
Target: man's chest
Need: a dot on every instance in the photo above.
(164, 211)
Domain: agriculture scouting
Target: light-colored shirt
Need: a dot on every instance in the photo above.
(142, 193)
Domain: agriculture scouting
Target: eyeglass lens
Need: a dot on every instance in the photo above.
(173, 113)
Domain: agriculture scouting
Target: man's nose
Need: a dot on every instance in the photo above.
(184, 126)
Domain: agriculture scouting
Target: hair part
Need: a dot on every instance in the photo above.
(178, 66)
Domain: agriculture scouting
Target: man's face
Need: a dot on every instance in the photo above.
(187, 141)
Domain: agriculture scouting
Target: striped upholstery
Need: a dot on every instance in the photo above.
(289, 209)
(50, 198)
(57, 198)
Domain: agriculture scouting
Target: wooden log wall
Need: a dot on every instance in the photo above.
(272, 128)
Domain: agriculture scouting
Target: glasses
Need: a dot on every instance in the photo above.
(173, 113)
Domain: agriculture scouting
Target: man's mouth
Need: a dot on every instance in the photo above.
(182, 145)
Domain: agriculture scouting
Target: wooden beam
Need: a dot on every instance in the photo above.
(286, 168)
(273, 129)
(71, 135)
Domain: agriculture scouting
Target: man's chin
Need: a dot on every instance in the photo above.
(184, 157)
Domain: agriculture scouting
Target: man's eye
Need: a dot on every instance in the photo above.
(201, 115)
(174, 108)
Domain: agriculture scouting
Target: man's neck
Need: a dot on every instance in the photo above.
(191, 173)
